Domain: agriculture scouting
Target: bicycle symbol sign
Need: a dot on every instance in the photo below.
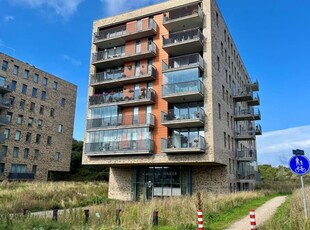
(299, 165)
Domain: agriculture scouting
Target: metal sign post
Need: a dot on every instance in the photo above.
(299, 164)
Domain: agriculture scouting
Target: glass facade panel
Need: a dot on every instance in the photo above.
(182, 76)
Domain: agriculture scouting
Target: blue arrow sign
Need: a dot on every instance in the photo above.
(299, 165)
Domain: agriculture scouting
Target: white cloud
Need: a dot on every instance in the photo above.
(276, 147)
(64, 8)
(113, 7)
(8, 18)
(72, 60)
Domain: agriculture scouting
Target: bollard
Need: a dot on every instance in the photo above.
(200, 220)
(55, 215)
(252, 219)
(155, 218)
(25, 211)
(118, 219)
(86, 211)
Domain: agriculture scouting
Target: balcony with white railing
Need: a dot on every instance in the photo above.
(135, 98)
(120, 122)
(180, 43)
(184, 17)
(246, 155)
(247, 114)
(120, 34)
(183, 62)
(181, 144)
(122, 148)
(117, 78)
(171, 119)
(183, 91)
(117, 56)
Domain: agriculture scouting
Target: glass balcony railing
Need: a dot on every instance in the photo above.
(115, 121)
(4, 119)
(174, 115)
(187, 87)
(120, 147)
(114, 32)
(181, 143)
(247, 114)
(245, 133)
(246, 154)
(122, 99)
(5, 103)
(183, 12)
(185, 61)
(182, 37)
(5, 86)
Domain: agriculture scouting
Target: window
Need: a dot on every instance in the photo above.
(38, 139)
(223, 92)
(22, 104)
(20, 119)
(43, 95)
(1, 168)
(40, 123)
(15, 152)
(44, 81)
(36, 154)
(218, 63)
(225, 144)
(52, 113)
(26, 74)
(17, 135)
(222, 48)
(6, 133)
(55, 85)
(5, 65)
(19, 168)
(227, 118)
(30, 121)
(32, 106)
(49, 140)
(9, 116)
(62, 102)
(36, 78)
(12, 100)
(41, 109)
(15, 70)
(34, 92)
(4, 151)
(28, 137)
(219, 108)
(60, 128)
(24, 89)
(14, 84)
(26, 153)
(57, 156)
(34, 169)
(217, 18)
(228, 139)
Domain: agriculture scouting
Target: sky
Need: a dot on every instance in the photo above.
(271, 36)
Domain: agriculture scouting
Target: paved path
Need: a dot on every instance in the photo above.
(262, 214)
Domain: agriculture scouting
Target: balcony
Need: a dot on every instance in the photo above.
(110, 59)
(21, 176)
(255, 100)
(117, 78)
(243, 94)
(4, 120)
(5, 87)
(119, 35)
(183, 18)
(180, 43)
(145, 97)
(183, 92)
(180, 144)
(246, 171)
(246, 155)
(245, 134)
(182, 62)
(247, 114)
(255, 85)
(5, 103)
(258, 129)
(188, 120)
(121, 121)
(112, 148)
(2, 138)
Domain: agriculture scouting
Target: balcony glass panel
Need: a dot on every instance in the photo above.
(182, 12)
(183, 87)
(183, 114)
(185, 61)
(182, 76)
(117, 31)
(246, 170)
(184, 36)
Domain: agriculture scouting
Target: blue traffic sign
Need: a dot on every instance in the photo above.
(299, 165)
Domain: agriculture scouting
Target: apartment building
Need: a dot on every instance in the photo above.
(36, 122)
(172, 109)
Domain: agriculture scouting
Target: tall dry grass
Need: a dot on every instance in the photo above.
(35, 196)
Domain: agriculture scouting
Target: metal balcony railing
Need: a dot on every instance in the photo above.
(187, 87)
(126, 147)
(185, 61)
(183, 36)
(174, 115)
(182, 13)
(114, 121)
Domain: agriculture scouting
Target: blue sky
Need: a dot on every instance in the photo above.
(272, 37)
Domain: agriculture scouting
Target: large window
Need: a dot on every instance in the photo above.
(185, 138)
(19, 168)
(182, 76)
(5, 65)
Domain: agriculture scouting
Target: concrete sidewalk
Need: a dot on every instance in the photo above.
(262, 214)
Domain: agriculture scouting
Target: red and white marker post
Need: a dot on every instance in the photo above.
(200, 220)
(252, 219)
